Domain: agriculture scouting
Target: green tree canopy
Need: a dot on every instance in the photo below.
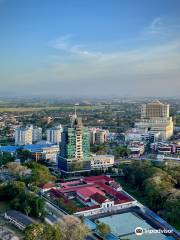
(103, 228)
(68, 228)
(40, 174)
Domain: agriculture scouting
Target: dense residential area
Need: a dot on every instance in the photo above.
(72, 171)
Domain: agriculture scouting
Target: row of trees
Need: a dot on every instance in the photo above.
(158, 186)
(21, 199)
(68, 228)
(119, 151)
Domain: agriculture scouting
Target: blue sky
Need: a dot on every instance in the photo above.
(90, 47)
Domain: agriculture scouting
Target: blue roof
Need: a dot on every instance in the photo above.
(9, 148)
(32, 147)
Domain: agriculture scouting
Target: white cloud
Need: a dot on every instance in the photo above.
(156, 26)
(64, 44)
(159, 60)
(76, 69)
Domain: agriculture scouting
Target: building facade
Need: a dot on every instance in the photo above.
(54, 134)
(37, 134)
(154, 110)
(102, 161)
(98, 136)
(75, 148)
(155, 118)
(23, 136)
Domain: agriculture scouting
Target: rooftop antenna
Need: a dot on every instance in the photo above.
(75, 109)
(75, 114)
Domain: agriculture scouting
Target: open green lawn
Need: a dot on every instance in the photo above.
(26, 109)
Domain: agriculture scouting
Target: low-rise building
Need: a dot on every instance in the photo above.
(166, 148)
(18, 219)
(42, 151)
(102, 161)
(98, 194)
(136, 134)
(136, 148)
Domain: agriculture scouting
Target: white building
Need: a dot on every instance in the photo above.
(136, 148)
(37, 134)
(23, 136)
(155, 117)
(136, 134)
(51, 153)
(102, 161)
(28, 135)
(54, 134)
(164, 126)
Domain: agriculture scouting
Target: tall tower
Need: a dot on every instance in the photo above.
(75, 147)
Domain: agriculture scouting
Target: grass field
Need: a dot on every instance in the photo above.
(37, 109)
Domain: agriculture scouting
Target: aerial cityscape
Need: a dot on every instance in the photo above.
(90, 120)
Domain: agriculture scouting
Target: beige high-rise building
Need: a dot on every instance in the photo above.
(154, 109)
(155, 118)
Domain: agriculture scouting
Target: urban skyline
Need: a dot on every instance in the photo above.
(89, 119)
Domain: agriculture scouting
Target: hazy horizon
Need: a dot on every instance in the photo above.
(92, 48)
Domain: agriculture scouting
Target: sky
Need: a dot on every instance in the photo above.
(90, 48)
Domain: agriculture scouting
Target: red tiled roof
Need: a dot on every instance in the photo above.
(75, 188)
(70, 184)
(101, 178)
(114, 193)
(98, 198)
(92, 185)
(86, 192)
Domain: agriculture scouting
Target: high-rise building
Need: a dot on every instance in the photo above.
(75, 148)
(155, 118)
(154, 110)
(92, 136)
(23, 136)
(36, 134)
(101, 137)
(54, 134)
(98, 136)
